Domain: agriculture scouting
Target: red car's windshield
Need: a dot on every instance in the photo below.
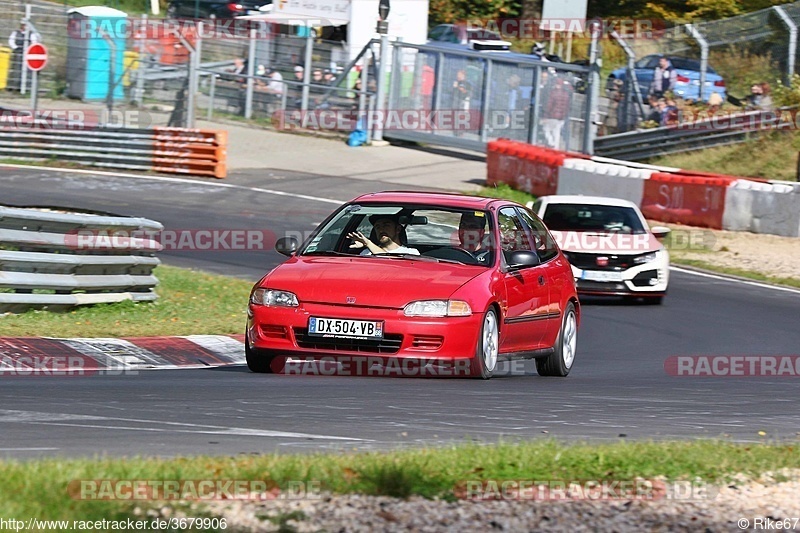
(462, 236)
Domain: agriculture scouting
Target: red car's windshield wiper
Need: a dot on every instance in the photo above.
(329, 252)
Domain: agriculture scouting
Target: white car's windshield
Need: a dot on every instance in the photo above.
(407, 231)
(594, 218)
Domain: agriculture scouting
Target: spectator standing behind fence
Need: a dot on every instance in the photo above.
(516, 103)
(664, 78)
(462, 95)
(275, 85)
(462, 91)
(613, 118)
(239, 68)
(269, 83)
(555, 109)
(16, 41)
(295, 91)
(427, 81)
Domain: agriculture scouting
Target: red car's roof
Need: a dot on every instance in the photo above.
(434, 198)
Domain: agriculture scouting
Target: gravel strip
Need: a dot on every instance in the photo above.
(777, 256)
(769, 498)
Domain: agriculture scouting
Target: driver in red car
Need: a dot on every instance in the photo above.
(389, 234)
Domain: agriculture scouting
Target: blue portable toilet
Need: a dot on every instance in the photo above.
(90, 54)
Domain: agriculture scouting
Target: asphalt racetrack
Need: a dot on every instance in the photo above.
(619, 387)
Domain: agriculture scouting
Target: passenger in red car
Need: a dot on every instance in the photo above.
(471, 230)
(388, 232)
(472, 233)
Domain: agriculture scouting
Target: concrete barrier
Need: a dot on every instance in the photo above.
(763, 208)
(580, 176)
(665, 194)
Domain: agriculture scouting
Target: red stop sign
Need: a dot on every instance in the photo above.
(36, 57)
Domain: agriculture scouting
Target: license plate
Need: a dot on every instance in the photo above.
(599, 275)
(343, 328)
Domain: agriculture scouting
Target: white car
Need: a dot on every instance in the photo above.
(611, 248)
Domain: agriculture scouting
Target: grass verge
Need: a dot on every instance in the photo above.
(771, 155)
(506, 193)
(432, 473)
(189, 303)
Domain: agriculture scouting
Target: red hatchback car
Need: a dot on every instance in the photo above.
(418, 283)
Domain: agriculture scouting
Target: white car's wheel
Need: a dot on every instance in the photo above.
(559, 363)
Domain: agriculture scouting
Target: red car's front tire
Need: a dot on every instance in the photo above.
(485, 360)
(258, 361)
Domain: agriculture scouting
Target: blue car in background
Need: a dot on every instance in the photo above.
(688, 84)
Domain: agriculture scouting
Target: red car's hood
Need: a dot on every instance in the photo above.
(372, 281)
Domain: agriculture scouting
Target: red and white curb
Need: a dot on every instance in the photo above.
(49, 355)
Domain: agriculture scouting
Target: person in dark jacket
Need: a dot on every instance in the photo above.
(664, 78)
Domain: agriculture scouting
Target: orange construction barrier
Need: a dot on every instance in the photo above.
(686, 199)
(526, 167)
(190, 151)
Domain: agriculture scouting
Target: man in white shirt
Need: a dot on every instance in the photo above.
(17, 38)
(275, 85)
(18, 44)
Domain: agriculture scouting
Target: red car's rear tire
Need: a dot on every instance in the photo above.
(559, 363)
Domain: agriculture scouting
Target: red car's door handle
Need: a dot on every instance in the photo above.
(541, 280)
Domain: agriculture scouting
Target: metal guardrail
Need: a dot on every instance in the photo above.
(170, 150)
(57, 259)
(686, 137)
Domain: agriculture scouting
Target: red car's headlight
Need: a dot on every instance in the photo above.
(274, 298)
(437, 308)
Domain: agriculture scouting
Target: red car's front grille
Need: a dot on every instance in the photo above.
(389, 344)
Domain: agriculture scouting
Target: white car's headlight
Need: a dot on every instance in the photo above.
(646, 258)
(274, 298)
(436, 308)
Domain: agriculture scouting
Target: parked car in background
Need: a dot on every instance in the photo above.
(474, 281)
(687, 85)
(461, 34)
(611, 248)
(216, 9)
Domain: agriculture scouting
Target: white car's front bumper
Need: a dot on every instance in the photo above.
(645, 279)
